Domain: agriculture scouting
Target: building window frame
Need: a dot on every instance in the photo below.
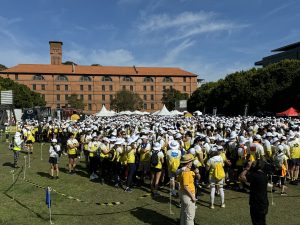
(85, 78)
(106, 78)
(167, 80)
(127, 78)
(38, 77)
(62, 78)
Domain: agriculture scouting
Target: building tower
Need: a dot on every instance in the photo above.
(56, 52)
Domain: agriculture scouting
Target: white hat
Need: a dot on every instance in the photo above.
(269, 134)
(192, 151)
(54, 140)
(174, 145)
(156, 146)
(106, 139)
(17, 134)
(257, 137)
(113, 139)
(144, 137)
(119, 141)
(178, 135)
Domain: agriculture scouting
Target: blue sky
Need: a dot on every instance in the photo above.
(211, 38)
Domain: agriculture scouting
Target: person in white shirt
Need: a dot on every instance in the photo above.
(54, 152)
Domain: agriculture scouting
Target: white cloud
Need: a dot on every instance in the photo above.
(100, 56)
(172, 55)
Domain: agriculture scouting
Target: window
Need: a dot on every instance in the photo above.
(103, 97)
(145, 97)
(111, 97)
(81, 87)
(106, 78)
(152, 105)
(89, 87)
(89, 107)
(61, 78)
(123, 87)
(148, 79)
(131, 88)
(66, 87)
(127, 79)
(152, 97)
(85, 78)
(103, 87)
(58, 87)
(66, 97)
(34, 87)
(145, 105)
(43, 87)
(58, 97)
(184, 79)
(16, 76)
(184, 88)
(152, 88)
(164, 87)
(89, 97)
(38, 77)
(167, 80)
(110, 87)
(145, 88)
(81, 97)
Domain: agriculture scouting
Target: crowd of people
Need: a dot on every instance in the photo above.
(207, 150)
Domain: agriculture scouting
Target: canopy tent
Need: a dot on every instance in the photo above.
(104, 112)
(176, 112)
(163, 112)
(289, 112)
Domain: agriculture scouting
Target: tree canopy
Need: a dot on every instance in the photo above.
(75, 102)
(170, 96)
(2, 67)
(273, 88)
(23, 96)
(126, 100)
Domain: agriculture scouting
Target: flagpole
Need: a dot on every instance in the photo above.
(42, 151)
(28, 159)
(24, 167)
(13, 184)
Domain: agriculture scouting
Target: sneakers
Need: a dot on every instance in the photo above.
(223, 205)
(283, 194)
(211, 206)
(128, 189)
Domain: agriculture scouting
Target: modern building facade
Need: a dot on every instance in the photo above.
(291, 51)
(96, 85)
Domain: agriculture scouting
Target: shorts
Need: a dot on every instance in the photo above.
(73, 156)
(144, 166)
(53, 160)
(155, 170)
(294, 162)
(278, 176)
(28, 142)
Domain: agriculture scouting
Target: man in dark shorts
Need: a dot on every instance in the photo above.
(254, 173)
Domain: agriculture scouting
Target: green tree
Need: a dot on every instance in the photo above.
(75, 102)
(170, 96)
(23, 96)
(2, 67)
(126, 100)
(69, 63)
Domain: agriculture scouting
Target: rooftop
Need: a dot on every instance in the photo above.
(287, 47)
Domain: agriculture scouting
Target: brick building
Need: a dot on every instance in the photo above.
(96, 85)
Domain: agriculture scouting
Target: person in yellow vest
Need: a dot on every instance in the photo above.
(256, 149)
(118, 161)
(156, 163)
(130, 154)
(105, 148)
(72, 145)
(187, 141)
(17, 147)
(294, 144)
(144, 152)
(93, 148)
(173, 161)
(187, 191)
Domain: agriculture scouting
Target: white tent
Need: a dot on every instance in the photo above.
(176, 113)
(198, 113)
(125, 113)
(164, 112)
(104, 112)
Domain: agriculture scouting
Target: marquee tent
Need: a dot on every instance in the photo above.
(163, 112)
(104, 112)
(289, 112)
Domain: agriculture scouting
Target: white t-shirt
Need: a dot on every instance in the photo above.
(54, 153)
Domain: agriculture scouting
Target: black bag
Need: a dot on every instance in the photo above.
(154, 158)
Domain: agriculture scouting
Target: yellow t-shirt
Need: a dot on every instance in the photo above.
(131, 156)
(187, 179)
(294, 149)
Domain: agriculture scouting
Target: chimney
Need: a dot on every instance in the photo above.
(136, 71)
(56, 52)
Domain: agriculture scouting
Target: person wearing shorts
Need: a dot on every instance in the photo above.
(72, 145)
(54, 152)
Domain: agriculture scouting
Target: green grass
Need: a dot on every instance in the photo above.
(29, 204)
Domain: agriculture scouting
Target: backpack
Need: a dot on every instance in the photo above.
(174, 164)
(219, 172)
(154, 158)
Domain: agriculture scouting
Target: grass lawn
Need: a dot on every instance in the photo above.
(28, 206)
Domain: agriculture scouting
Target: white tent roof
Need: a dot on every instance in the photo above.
(164, 112)
(104, 112)
(176, 112)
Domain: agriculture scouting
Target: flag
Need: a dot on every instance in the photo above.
(48, 197)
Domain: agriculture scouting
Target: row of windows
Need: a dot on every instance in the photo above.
(81, 97)
(110, 87)
(89, 106)
(87, 78)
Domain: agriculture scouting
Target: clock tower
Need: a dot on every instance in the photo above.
(56, 52)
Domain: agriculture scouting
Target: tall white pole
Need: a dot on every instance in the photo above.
(42, 151)
(13, 184)
(25, 157)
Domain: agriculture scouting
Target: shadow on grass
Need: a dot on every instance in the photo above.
(43, 174)
(8, 164)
